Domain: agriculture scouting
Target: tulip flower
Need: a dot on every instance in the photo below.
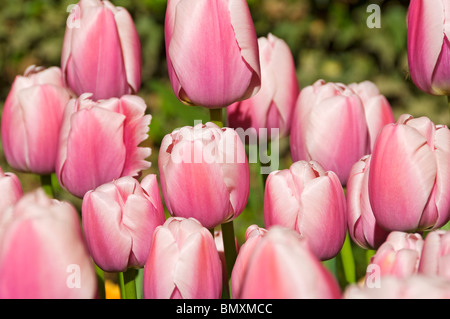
(311, 201)
(204, 174)
(329, 126)
(101, 51)
(362, 225)
(42, 251)
(183, 262)
(435, 258)
(428, 45)
(280, 265)
(398, 256)
(272, 107)
(409, 178)
(11, 190)
(212, 51)
(127, 211)
(31, 119)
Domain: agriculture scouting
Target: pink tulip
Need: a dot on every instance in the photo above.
(311, 201)
(42, 251)
(11, 190)
(409, 179)
(101, 52)
(398, 256)
(99, 142)
(428, 45)
(329, 126)
(435, 258)
(124, 210)
(204, 173)
(183, 262)
(280, 265)
(362, 225)
(31, 119)
(273, 105)
(212, 51)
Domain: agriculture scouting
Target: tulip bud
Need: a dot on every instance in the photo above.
(31, 120)
(212, 51)
(11, 190)
(312, 202)
(124, 210)
(409, 179)
(273, 105)
(101, 52)
(99, 142)
(428, 45)
(280, 265)
(183, 262)
(204, 173)
(435, 258)
(42, 251)
(329, 126)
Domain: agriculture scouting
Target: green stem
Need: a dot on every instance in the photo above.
(348, 262)
(216, 116)
(100, 282)
(46, 184)
(229, 246)
(448, 100)
(127, 282)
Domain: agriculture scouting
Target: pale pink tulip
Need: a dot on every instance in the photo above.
(272, 107)
(204, 173)
(42, 251)
(31, 119)
(435, 258)
(102, 51)
(127, 211)
(429, 46)
(183, 262)
(409, 179)
(99, 142)
(280, 265)
(212, 51)
(329, 126)
(362, 226)
(311, 201)
(10, 190)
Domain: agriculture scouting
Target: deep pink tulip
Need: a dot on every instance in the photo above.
(42, 251)
(101, 52)
(311, 201)
(31, 119)
(212, 51)
(435, 258)
(99, 142)
(10, 190)
(204, 173)
(409, 179)
(280, 265)
(127, 211)
(429, 46)
(272, 107)
(398, 256)
(329, 126)
(183, 262)
(362, 225)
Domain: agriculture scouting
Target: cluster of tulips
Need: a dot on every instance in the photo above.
(356, 174)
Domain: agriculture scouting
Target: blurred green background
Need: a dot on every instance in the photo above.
(329, 40)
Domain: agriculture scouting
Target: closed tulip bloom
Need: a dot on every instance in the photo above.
(409, 179)
(272, 107)
(99, 142)
(42, 251)
(127, 211)
(329, 126)
(11, 190)
(212, 51)
(204, 173)
(281, 266)
(183, 262)
(428, 45)
(101, 51)
(31, 119)
(362, 225)
(435, 258)
(311, 201)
